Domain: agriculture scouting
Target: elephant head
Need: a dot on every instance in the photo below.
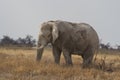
(48, 34)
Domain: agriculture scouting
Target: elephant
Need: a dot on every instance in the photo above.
(70, 39)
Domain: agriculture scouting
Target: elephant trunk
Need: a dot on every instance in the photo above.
(39, 53)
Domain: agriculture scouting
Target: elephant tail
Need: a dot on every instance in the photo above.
(95, 54)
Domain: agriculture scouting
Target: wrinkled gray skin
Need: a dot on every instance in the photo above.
(69, 38)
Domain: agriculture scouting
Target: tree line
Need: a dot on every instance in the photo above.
(28, 41)
(109, 47)
(7, 41)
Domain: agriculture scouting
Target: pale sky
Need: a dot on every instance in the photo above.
(21, 17)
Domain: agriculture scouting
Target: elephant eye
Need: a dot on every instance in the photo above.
(43, 36)
(48, 35)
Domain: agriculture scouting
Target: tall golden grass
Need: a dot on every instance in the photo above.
(19, 64)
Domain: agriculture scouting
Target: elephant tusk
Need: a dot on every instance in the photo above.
(40, 47)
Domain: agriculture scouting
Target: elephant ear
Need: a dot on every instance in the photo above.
(54, 31)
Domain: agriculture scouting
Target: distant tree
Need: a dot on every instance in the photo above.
(28, 41)
(0, 42)
(118, 47)
(105, 46)
(7, 41)
(108, 45)
(21, 42)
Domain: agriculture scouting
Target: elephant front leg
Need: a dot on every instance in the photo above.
(56, 54)
(67, 57)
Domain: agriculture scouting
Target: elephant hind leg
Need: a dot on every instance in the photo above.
(87, 57)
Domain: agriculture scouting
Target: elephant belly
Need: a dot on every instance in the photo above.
(77, 52)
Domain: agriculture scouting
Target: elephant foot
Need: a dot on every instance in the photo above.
(38, 60)
(86, 65)
(68, 65)
(57, 64)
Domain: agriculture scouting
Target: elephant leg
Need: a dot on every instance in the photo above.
(87, 57)
(56, 54)
(67, 57)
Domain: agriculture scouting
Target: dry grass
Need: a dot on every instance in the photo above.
(18, 64)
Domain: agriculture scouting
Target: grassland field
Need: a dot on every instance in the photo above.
(20, 64)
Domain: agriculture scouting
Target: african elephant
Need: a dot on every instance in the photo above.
(69, 38)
